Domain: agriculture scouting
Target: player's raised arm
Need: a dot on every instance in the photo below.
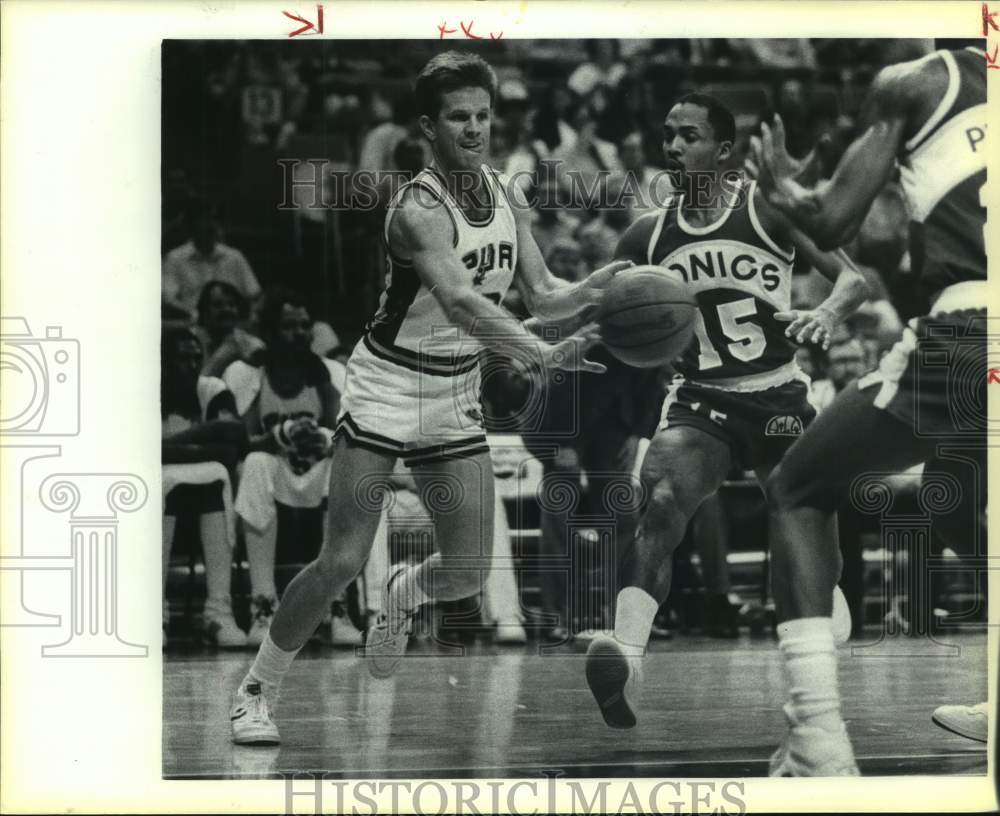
(547, 297)
(849, 291)
(424, 234)
(831, 212)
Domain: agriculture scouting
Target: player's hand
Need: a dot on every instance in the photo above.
(775, 169)
(571, 354)
(592, 287)
(809, 325)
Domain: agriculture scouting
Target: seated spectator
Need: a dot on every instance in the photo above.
(203, 258)
(585, 162)
(565, 260)
(221, 310)
(201, 442)
(603, 70)
(646, 187)
(288, 398)
(551, 221)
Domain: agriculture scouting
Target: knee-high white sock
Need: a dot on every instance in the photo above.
(635, 610)
(810, 658)
(270, 667)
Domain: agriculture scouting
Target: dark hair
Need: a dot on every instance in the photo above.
(449, 72)
(242, 307)
(272, 303)
(719, 116)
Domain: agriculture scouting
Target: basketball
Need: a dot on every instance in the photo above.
(646, 318)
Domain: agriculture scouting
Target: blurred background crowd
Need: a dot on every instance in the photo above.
(253, 288)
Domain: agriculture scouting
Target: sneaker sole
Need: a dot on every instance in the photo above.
(607, 674)
(962, 732)
(259, 738)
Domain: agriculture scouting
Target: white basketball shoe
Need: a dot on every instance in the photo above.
(385, 643)
(250, 717)
(971, 722)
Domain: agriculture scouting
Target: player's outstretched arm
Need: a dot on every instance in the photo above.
(849, 291)
(424, 234)
(832, 211)
(547, 297)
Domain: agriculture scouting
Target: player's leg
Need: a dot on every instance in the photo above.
(459, 493)
(357, 476)
(849, 438)
(683, 465)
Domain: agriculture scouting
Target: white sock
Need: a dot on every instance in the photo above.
(634, 612)
(406, 594)
(270, 667)
(810, 658)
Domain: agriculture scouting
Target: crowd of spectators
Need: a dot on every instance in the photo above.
(261, 303)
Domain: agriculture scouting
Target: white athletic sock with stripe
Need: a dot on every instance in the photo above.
(810, 658)
(270, 667)
(635, 610)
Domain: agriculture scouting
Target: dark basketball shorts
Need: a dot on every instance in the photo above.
(758, 426)
(934, 379)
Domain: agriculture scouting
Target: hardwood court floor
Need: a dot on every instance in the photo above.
(710, 708)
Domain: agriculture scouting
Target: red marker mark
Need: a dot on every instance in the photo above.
(991, 61)
(307, 26)
(988, 20)
(468, 31)
(993, 376)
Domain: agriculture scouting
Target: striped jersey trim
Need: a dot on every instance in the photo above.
(422, 363)
(439, 177)
(944, 106)
(762, 233)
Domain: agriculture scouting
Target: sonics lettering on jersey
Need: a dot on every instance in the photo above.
(733, 265)
(487, 258)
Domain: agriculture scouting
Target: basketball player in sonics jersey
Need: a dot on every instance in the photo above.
(455, 243)
(739, 396)
(927, 117)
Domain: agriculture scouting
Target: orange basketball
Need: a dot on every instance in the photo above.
(646, 317)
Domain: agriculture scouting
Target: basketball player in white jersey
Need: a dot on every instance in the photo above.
(455, 243)
(928, 118)
(739, 396)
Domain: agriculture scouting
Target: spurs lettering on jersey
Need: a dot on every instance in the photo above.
(739, 277)
(410, 327)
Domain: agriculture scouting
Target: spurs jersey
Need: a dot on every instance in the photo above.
(410, 328)
(739, 277)
(943, 173)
